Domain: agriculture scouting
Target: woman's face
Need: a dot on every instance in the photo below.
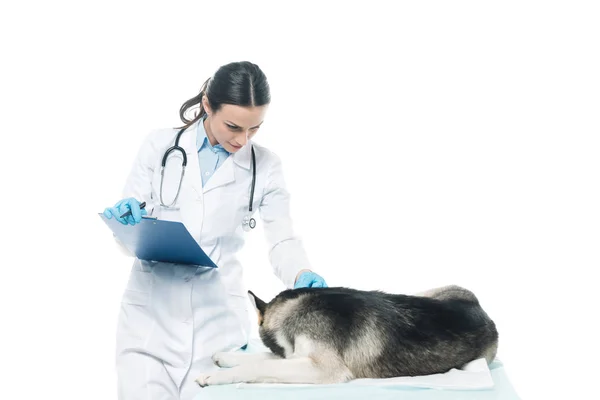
(232, 126)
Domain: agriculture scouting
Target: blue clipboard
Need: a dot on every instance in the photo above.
(156, 240)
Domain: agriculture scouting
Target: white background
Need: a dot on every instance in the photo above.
(424, 144)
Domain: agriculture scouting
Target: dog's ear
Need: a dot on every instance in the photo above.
(259, 306)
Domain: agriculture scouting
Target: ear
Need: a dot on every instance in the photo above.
(206, 104)
(259, 306)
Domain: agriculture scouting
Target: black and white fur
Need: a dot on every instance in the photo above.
(333, 335)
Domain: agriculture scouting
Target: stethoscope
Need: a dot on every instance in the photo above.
(247, 223)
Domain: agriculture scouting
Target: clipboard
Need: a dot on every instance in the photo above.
(156, 240)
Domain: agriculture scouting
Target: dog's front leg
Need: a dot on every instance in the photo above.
(233, 359)
(294, 370)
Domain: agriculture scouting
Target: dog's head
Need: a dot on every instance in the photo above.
(259, 305)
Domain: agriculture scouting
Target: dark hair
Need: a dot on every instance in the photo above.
(238, 83)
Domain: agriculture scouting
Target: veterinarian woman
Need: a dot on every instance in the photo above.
(174, 317)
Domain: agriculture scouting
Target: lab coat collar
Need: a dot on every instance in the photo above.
(225, 174)
(243, 157)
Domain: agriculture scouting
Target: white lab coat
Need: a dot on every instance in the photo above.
(174, 317)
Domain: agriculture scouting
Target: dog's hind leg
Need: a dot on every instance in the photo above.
(449, 292)
(490, 353)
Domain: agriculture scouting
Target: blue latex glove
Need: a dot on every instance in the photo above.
(309, 279)
(122, 207)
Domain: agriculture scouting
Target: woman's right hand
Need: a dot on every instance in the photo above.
(122, 207)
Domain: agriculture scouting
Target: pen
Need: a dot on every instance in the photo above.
(129, 212)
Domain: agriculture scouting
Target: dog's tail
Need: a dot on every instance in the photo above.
(450, 292)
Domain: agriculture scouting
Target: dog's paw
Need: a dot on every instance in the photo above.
(203, 380)
(225, 360)
(219, 377)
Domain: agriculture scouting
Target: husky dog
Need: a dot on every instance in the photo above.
(333, 335)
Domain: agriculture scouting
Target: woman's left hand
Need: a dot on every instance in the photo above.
(309, 279)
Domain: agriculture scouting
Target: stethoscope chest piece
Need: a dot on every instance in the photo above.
(248, 223)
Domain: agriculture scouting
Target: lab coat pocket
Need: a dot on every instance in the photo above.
(245, 203)
(139, 280)
(136, 298)
(164, 208)
(136, 321)
(237, 299)
(136, 317)
(255, 201)
(239, 305)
